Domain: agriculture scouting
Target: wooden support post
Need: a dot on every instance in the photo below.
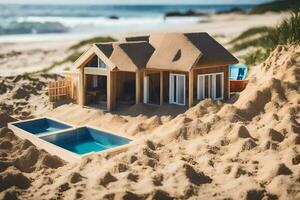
(144, 74)
(82, 87)
(161, 84)
(110, 91)
(227, 80)
(191, 87)
(137, 87)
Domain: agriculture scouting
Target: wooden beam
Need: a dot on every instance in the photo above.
(137, 87)
(227, 78)
(109, 100)
(191, 88)
(82, 87)
(143, 77)
(161, 85)
(96, 71)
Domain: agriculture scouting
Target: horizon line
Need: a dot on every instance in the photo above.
(125, 4)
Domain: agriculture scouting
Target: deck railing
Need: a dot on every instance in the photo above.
(61, 89)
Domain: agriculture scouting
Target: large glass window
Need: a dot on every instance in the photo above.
(210, 86)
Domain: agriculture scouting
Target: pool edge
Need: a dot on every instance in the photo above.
(62, 153)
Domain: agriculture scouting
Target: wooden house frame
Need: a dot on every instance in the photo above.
(175, 68)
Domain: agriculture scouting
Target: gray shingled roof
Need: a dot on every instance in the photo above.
(213, 53)
(138, 52)
(106, 48)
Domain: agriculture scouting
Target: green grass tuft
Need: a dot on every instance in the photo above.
(92, 41)
(257, 42)
(76, 54)
(287, 32)
(256, 56)
(250, 32)
(276, 6)
(71, 58)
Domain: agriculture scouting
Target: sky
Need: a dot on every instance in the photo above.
(132, 1)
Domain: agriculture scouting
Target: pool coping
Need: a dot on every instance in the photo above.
(65, 154)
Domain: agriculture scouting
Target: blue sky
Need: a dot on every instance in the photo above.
(135, 1)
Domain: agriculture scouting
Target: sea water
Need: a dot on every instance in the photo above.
(36, 22)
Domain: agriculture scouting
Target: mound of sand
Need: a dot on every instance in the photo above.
(20, 162)
(248, 149)
(5, 118)
(23, 96)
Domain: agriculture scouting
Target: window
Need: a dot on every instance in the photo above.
(101, 64)
(177, 89)
(210, 86)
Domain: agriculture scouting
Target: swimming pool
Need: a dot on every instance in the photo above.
(41, 126)
(238, 72)
(67, 141)
(84, 140)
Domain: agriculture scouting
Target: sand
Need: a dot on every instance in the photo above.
(21, 57)
(31, 56)
(246, 148)
(23, 97)
(19, 160)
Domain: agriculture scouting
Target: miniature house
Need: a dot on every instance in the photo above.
(172, 68)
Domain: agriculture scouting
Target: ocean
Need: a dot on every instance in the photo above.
(27, 22)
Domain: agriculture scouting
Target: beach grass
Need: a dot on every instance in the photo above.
(250, 32)
(71, 58)
(257, 42)
(287, 32)
(76, 52)
(276, 6)
(92, 41)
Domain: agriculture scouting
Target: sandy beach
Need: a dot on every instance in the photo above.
(31, 56)
(247, 147)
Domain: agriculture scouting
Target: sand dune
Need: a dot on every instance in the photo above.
(247, 149)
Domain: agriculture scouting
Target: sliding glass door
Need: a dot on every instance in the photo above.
(177, 89)
(210, 86)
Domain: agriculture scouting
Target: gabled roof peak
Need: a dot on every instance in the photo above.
(166, 50)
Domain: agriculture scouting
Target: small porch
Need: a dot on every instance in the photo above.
(105, 89)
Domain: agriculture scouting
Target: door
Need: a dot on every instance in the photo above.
(218, 86)
(210, 86)
(146, 89)
(177, 89)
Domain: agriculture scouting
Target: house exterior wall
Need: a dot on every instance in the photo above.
(224, 69)
(117, 79)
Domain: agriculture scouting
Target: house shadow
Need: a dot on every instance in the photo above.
(150, 110)
(233, 98)
(62, 102)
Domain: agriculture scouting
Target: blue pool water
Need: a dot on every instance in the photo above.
(41, 126)
(85, 140)
(238, 72)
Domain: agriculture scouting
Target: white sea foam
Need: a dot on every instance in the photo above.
(107, 22)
